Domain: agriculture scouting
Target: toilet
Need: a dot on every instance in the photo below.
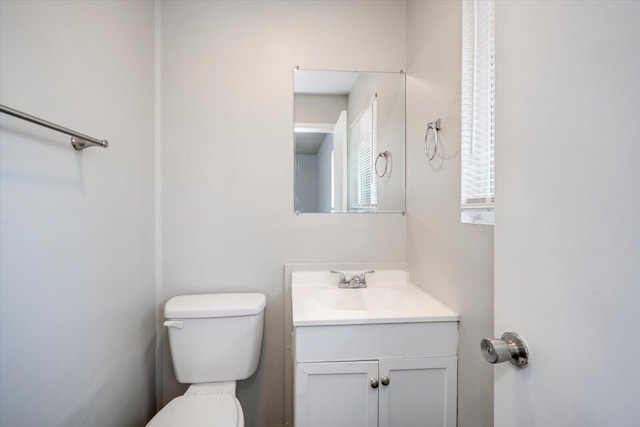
(215, 340)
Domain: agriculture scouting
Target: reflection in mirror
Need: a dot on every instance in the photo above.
(349, 141)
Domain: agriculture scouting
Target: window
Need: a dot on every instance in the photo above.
(478, 112)
(362, 183)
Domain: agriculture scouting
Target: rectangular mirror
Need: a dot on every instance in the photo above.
(349, 137)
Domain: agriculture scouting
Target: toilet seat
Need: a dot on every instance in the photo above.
(203, 410)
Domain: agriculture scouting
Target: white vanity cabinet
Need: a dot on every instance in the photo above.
(384, 355)
(421, 392)
(336, 394)
(347, 375)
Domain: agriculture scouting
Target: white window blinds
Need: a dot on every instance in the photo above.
(478, 102)
(362, 184)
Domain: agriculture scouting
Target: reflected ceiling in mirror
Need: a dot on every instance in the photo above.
(349, 140)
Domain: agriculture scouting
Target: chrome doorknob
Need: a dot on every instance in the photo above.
(374, 383)
(384, 380)
(510, 348)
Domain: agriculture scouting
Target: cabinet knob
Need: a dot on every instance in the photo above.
(384, 380)
(374, 383)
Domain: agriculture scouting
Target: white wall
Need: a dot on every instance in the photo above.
(318, 108)
(390, 88)
(452, 261)
(227, 144)
(567, 213)
(76, 253)
(324, 174)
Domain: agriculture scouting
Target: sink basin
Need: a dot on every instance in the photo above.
(359, 299)
(388, 298)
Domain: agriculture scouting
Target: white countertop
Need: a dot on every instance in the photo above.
(388, 298)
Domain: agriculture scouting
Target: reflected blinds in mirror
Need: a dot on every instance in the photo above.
(362, 184)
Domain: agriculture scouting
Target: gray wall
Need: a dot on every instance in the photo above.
(76, 256)
(452, 261)
(227, 118)
(306, 184)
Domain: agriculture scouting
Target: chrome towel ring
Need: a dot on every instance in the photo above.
(387, 159)
(436, 127)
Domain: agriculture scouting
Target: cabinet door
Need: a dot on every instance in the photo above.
(336, 394)
(421, 392)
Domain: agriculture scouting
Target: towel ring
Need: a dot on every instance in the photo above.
(436, 127)
(387, 158)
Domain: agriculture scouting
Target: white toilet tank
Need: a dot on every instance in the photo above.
(215, 337)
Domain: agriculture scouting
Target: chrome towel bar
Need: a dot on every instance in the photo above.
(79, 141)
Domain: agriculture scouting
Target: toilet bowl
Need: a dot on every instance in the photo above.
(208, 405)
(200, 411)
(215, 340)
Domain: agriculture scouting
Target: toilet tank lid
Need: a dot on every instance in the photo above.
(214, 305)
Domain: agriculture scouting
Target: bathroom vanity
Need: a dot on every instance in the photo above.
(384, 355)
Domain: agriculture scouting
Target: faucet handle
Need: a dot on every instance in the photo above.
(363, 277)
(343, 279)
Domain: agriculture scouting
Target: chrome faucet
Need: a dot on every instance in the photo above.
(342, 281)
(356, 281)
